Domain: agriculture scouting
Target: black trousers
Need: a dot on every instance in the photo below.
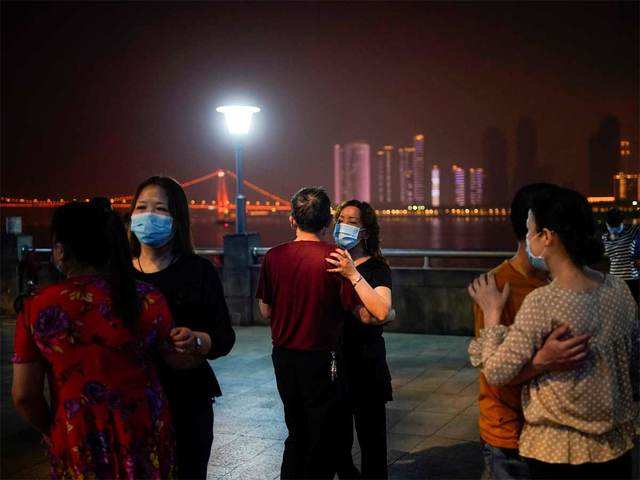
(634, 286)
(193, 424)
(371, 428)
(618, 469)
(313, 405)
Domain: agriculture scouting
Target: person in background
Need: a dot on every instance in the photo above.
(367, 373)
(620, 247)
(306, 306)
(93, 336)
(163, 256)
(500, 417)
(579, 424)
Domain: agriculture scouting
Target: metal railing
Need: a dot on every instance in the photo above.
(425, 254)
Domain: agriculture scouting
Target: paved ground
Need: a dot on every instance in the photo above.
(432, 422)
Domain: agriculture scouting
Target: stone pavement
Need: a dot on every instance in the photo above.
(432, 421)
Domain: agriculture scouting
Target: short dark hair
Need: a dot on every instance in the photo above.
(311, 209)
(614, 217)
(568, 214)
(94, 235)
(522, 203)
(182, 241)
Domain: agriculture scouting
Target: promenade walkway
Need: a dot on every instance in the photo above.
(432, 421)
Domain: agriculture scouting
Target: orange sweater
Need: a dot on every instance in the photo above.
(500, 421)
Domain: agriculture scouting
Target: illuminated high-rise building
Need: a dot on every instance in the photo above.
(419, 171)
(352, 172)
(476, 186)
(383, 189)
(625, 155)
(604, 156)
(626, 186)
(435, 186)
(459, 186)
(406, 157)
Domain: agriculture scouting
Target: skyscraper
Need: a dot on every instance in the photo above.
(494, 154)
(526, 169)
(419, 171)
(625, 155)
(459, 186)
(476, 186)
(407, 182)
(626, 186)
(352, 172)
(383, 193)
(604, 156)
(435, 186)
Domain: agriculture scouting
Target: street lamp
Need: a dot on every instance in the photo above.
(238, 119)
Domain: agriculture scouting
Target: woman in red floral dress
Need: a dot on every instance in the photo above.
(95, 337)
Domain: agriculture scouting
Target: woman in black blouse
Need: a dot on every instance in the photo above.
(163, 256)
(367, 373)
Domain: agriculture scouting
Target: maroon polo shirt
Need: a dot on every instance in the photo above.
(307, 302)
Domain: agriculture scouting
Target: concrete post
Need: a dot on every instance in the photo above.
(236, 275)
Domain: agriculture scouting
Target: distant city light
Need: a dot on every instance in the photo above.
(238, 117)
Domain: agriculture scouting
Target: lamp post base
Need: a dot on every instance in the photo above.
(238, 276)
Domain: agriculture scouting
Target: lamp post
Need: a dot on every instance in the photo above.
(238, 120)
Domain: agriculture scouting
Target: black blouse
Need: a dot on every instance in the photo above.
(195, 295)
(368, 374)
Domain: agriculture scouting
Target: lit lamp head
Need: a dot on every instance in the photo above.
(238, 118)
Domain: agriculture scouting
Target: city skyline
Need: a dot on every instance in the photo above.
(132, 89)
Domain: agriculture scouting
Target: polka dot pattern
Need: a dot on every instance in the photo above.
(582, 415)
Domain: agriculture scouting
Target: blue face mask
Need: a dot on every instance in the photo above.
(616, 230)
(152, 229)
(346, 236)
(536, 262)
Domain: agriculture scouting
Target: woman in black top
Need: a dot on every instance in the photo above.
(163, 256)
(367, 373)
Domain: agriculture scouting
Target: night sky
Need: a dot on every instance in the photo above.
(96, 96)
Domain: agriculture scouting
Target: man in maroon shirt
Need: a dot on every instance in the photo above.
(306, 306)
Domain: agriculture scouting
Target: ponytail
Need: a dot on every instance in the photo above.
(121, 273)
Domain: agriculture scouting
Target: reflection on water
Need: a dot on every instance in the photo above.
(402, 232)
(446, 233)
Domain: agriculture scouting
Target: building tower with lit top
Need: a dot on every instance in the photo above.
(476, 186)
(459, 185)
(406, 157)
(352, 172)
(383, 189)
(419, 171)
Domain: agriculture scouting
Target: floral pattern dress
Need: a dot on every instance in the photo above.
(110, 416)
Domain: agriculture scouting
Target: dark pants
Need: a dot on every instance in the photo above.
(193, 423)
(371, 428)
(634, 286)
(505, 463)
(617, 469)
(312, 409)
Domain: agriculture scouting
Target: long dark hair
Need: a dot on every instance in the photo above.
(369, 219)
(568, 214)
(94, 235)
(182, 242)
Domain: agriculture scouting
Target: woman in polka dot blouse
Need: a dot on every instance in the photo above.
(578, 423)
